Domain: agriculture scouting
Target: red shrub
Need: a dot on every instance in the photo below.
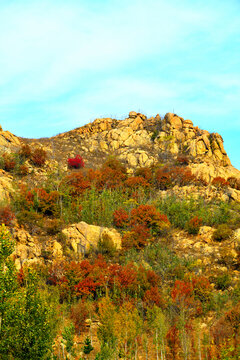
(152, 297)
(169, 176)
(220, 182)
(78, 183)
(182, 293)
(193, 225)
(6, 215)
(78, 314)
(120, 218)
(137, 237)
(9, 162)
(85, 287)
(134, 182)
(39, 156)
(146, 173)
(76, 162)
(148, 216)
(112, 175)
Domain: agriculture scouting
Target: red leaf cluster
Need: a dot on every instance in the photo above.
(76, 163)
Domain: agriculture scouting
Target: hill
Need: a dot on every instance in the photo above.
(131, 232)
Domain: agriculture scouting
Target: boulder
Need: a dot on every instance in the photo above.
(173, 120)
(82, 237)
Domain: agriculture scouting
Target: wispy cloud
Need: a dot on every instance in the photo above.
(64, 63)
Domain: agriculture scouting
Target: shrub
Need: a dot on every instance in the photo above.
(137, 237)
(169, 176)
(135, 182)
(78, 314)
(219, 182)
(9, 162)
(222, 282)
(120, 218)
(25, 152)
(6, 215)
(112, 174)
(146, 173)
(76, 162)
(193, 225)
(23, 170)
(39, 156)
(148, 216)
(78, 183)
(223, 232)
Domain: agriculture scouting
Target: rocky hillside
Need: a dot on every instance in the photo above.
(138, 141)
(145, 235)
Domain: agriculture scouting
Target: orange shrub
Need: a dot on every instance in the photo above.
(120, 218)
(78, 314)
(9, 162)
(183, 159)
(112, 175)
(137, 237)
(135, 182)
(146, 173)
(152, 297)
(219, 182)
(169, 176)
(150, 217)
(25, 151)
(23, 170)
(6, 215)
(77, 182)
(193, 225)
(39, 156)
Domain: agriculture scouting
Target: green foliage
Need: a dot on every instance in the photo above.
(180, 211)
(223, 232)
(68, 338)
(222, 282)
(26, 318)
(87, 346)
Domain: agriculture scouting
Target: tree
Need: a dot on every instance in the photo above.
(158, 323)
(87, 346)
(27, 326)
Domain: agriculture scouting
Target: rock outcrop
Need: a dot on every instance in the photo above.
(6, 186)
(138, 141)
(8, 140)
(83, 237)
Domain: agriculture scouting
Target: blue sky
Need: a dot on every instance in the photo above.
(64, 63)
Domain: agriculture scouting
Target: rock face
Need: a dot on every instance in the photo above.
(7, 140)
(82, 237)
(6, 187)
(138, 141)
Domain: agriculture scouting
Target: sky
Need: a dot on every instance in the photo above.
(65, 63)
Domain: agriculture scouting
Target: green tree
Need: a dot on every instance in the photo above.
(27, 325)
(87, 346)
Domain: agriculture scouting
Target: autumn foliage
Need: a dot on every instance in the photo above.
(76, 163)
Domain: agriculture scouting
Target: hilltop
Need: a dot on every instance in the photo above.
(124, 222)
